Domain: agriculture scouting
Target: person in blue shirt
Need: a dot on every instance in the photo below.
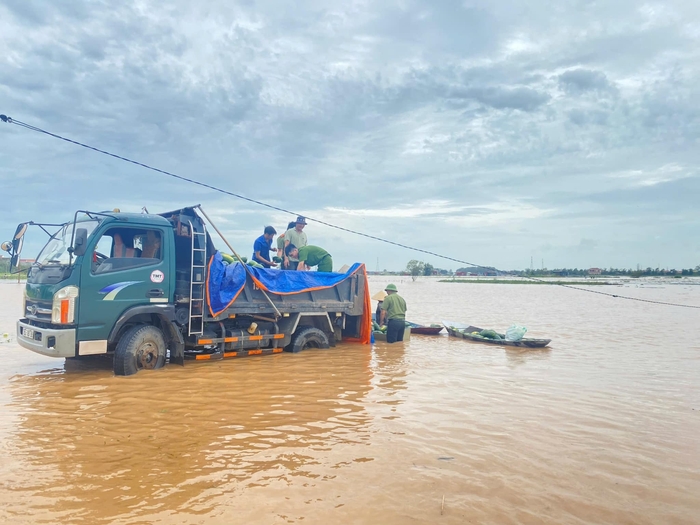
(261, 248)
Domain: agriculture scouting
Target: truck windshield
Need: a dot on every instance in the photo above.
(56, 250)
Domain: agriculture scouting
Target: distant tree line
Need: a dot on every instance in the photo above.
(416, 268)
(610, 272)
(478, 270)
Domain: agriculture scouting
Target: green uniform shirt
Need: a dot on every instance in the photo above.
(280, 242)
(395, 307)
(311, 255)
(296, 238)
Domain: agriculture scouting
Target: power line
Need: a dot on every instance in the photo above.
(10, 120)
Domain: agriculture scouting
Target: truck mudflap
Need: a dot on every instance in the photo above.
(53, 342)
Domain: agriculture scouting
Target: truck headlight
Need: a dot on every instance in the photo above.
(63, 308)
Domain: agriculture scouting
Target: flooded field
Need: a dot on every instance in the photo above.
(600, 427)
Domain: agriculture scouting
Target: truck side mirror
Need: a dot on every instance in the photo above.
(80, 242)
(16, 244)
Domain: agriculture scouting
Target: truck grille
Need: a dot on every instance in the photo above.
(38, 310)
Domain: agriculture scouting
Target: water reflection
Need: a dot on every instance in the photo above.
(520, 356)
(106, 447)
(390, 371)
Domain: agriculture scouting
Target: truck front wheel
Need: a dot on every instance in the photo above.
(307, 337)
(140, 347)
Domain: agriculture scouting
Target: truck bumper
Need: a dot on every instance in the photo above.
(46, 341)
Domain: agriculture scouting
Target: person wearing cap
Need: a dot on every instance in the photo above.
(297, 237)
(261, 247)
(309, 256)
(394, 313)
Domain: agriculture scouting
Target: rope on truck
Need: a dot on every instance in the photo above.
(10, 120)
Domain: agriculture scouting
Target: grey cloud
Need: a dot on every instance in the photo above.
(582, 118)
(29, 11)
(450, 28)
(522, 98)
(582, 80)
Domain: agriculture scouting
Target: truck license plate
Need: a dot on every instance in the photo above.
(28, 333)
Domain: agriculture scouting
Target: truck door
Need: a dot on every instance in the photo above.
(125, 267)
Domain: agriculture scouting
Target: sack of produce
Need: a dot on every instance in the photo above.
(515, 333)
(490, 334)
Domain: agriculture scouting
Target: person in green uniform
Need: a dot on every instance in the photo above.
(394, 313)
(280, 240)
(309, 256)
(297, 237)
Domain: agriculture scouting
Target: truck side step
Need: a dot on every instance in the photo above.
(240, 353)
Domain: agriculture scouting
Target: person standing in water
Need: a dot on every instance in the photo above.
(394, 313)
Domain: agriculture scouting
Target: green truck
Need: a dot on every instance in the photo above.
(134, 286)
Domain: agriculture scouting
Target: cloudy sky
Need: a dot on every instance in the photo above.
(490, 132)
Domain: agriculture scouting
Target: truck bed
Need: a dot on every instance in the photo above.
(233, 289)
(346, 297)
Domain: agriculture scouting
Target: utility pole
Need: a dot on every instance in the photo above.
(530, 262)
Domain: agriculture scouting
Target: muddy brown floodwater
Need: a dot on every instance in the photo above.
(601, 427)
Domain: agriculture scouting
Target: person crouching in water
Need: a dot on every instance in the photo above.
(310, 256)
(394, 313)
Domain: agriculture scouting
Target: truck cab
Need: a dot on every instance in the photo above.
(94, 271)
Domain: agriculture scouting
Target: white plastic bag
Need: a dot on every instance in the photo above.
(515, 333)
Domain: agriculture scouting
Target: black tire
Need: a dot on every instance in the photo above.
(140, 347)
(307, 337)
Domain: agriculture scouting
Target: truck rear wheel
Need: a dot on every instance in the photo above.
(307, 337)
(140, 347)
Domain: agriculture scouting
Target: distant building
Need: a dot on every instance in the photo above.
(595, 271)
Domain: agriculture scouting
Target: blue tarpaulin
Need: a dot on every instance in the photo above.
(225, 282)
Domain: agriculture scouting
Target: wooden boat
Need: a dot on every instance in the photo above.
(465, 332)
(424, 330)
